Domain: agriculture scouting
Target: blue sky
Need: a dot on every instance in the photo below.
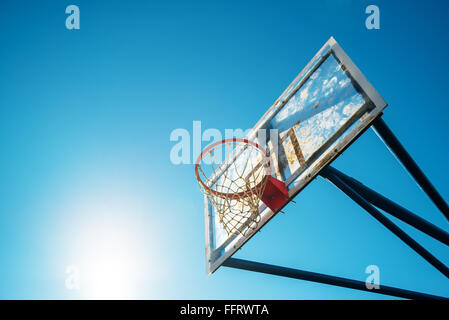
(86, 116)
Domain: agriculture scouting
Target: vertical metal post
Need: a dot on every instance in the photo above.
(392, 208)
(324, 278)
(387, 136)
(386, 222)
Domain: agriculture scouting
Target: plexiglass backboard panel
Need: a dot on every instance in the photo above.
(326, 107)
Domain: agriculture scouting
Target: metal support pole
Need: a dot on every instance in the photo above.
(386, 222)
(387, 136)
(323, 278)
(392, 208)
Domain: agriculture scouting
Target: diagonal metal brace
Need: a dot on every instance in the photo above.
(339, 183)
(326, 279)
(392, 208)
(387, 136)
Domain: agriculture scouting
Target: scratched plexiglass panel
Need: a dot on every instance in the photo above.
(305, 73)
(220, 234)
(299, 79)
(320, 109)
(302, 176)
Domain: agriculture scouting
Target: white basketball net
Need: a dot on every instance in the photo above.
(235, 186)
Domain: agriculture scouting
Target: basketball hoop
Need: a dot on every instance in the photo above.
(237, 184)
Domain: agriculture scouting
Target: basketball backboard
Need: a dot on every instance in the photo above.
(326, 107)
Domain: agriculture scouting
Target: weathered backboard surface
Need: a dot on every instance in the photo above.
(328, 105)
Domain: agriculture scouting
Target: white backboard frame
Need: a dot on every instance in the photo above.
(215, 257)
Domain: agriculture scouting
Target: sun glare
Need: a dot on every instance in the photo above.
(111, 248)
(111, 264)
